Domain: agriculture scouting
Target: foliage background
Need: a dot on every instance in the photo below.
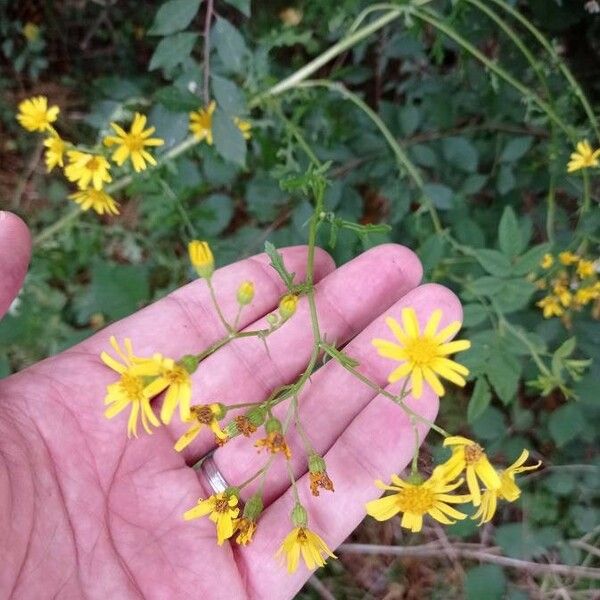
(492, 164)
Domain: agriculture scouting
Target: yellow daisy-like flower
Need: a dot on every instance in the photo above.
(55, 149)
(470, 456)
(568, 258)
(547, 261)
(551, 307)
(86, 169)
(201, 123)
(584, 157)
(584, 295)
(202, 258)
(302, 540)
(586, 268)
(288, 305)
(244, 126)
(508, 489)
(204, 415)
(178, 383)
(133, 144)
(418, 497)
(130, 389)
(35, 114)
(423, 355)
(31, 31)
(562, 292)
(98, 200)
(221, 510)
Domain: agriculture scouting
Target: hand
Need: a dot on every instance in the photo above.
(86, 512)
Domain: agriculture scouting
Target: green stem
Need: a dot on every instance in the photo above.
(213, 297)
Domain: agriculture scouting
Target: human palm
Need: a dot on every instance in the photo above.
(86, 512)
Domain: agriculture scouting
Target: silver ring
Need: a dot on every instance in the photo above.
(213, 476)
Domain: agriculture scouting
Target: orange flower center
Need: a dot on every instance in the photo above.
(176, 375)
(222, 505)
(301, 536)
(417, 499)
(203, 414)
(93, 164)
(135, 143)
(132, 386)
(473, 453)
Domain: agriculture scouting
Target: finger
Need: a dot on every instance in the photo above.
(334, 397)
(15, 252)
(379, 441)
(347, 300)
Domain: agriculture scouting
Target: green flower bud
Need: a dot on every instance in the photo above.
(189, 362)
(316, 464)
(253, 507)
(273, 425)
(415, 479)
(299, 516)
(288, 305)
(256, 416)
(245, 293)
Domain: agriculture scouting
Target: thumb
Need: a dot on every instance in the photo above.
(15, 251)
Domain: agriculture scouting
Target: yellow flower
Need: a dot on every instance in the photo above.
(201, 257)
(290, 16)
(584, 295)
(130, 389)
(178, 383)
(98, 200)
(423, 356)
(31, 31)
(246, 529)
(417, 497)
(288, 305)
(244, 126)
(200, 416)
(133, 144)
(35, 115)
(547, 261)
(551, 307)
(586, 268)
(470, 456)
(245, 293)
(55, 149)
(508, 489)
(583, 158)
(201, 123)
(568, 258)
(85, 168)
(302, 540)
(222, 510)
(562, 293)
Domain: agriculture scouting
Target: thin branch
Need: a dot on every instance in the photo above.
(483, 555)
(320, 588)
(206, 74)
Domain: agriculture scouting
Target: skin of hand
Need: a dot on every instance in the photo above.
(87, 513)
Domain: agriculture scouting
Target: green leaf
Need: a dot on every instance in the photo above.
(229, 141)
(504, 371)
(242, 5)
(461, 153)
(423, 155)
(410, 118)
(230, 45)
(480, 400)
(172, 50)
(530, 261)
(474, 183)
(494, 262)
(177, 100)
(228, 95)
(213, 215)
(515, 295)
(485, 581)
(278, 265)
(516, 540)
(505, 181)
(509, 233)
(264, 198)
(566, 423)
(516, 148)
(174, 16)
(474, 314)
(487, 286)
(440, 195)
(490, 425)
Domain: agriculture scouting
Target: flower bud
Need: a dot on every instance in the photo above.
(189, 362)
(299, 516)
(201, 257)
(245, 293)
(273, 425)
(256, 416)
(219, 410)
(231, 430)
(253, 507)
(272, 319)
(415, 478)
(288, 305)
(316, 464)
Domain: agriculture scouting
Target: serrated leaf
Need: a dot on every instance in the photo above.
(510, 239)
(228, 96)
(440, 195)
(174, 16)
(229, 141)
(494, 262)
(230, 45)
(516, 148)
(172, 50)
(461, 153)
(480, 400)
(566, 423)
(278, 264)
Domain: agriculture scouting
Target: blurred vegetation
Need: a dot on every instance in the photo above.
(491, 197)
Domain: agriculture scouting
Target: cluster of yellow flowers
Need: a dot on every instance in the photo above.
(89, 169)
(572, 283)
(423, 357)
